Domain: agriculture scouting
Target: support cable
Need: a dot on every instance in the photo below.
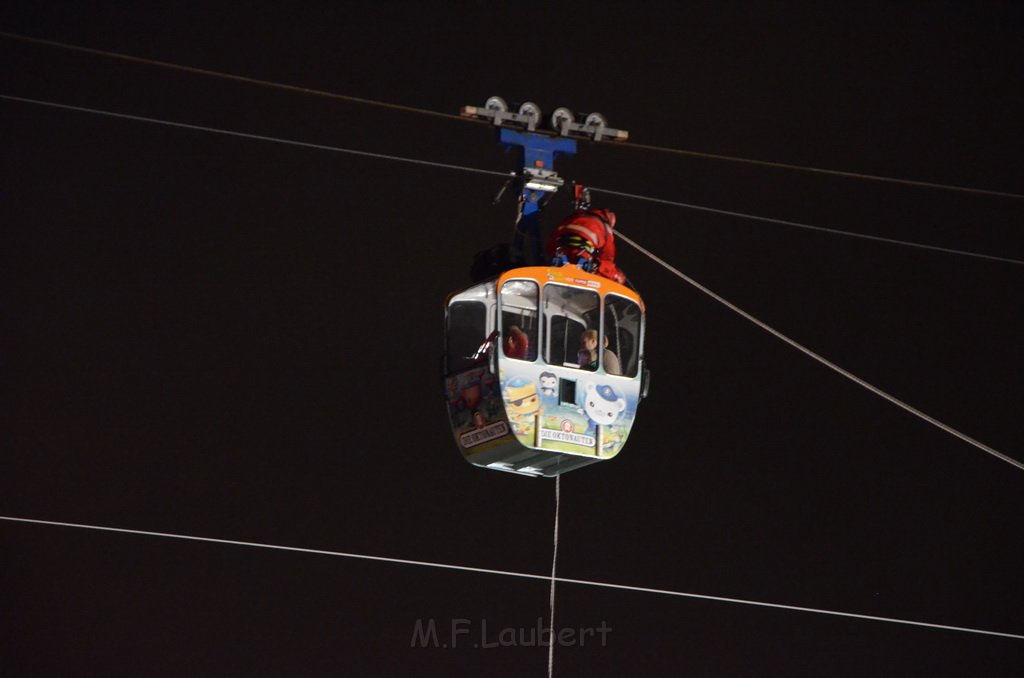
(236, 78)
(829, 172)
(424, 111)
(246, 135)
(520, 575)
(808, 352)
(339, 149)
(784, 222)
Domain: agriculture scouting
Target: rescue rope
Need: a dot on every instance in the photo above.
(521, 575)
(554, 562)
(827, 363)
(452, 116)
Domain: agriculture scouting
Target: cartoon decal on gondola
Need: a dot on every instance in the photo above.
(523, 405)
(474, 408)
(539, 419)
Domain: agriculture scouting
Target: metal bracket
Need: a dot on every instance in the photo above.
(537, 181)
(562, 122)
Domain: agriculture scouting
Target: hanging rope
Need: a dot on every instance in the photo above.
(551, 602)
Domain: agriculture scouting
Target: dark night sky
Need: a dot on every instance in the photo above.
(217, 336)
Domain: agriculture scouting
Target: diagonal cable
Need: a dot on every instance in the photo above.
(509, 573)
(808, 352)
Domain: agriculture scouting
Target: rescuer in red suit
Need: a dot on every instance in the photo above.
(587, 236)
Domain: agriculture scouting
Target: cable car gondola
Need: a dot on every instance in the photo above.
(522, 396)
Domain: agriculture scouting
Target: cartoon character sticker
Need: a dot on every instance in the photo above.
(603, 404)
(548, 384)
(522, 404)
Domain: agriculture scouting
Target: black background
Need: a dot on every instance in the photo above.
(217, 336)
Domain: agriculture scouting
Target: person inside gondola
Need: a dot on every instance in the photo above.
(516, 343)
(587, 356)
(586, 238)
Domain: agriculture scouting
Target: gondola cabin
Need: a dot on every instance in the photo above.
(543, 369)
